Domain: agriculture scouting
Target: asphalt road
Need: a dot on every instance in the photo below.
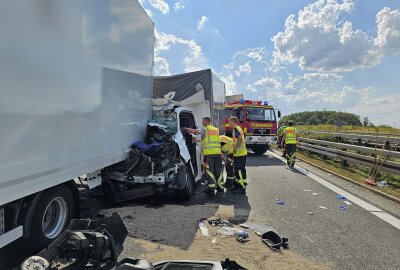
(350, 239)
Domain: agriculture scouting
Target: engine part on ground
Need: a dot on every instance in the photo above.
(86, 244)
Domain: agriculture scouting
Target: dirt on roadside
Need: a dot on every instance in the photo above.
(254, 255)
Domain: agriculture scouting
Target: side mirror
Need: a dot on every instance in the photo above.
(279, 114)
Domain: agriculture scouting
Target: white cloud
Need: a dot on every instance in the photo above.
(202, 22)
(148, 11)
(388, 25)
(161, 66)
(178, 5)
(246, 68)
(318, 41)
(193, 60)
(160, 5)
(270, 82)
(380, 110)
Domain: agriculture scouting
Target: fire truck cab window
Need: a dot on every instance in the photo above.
(260, 114)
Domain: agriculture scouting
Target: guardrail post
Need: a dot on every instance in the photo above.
(344, 162)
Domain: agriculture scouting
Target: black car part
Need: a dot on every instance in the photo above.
(86, 244)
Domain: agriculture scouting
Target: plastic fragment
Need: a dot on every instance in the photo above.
(214, 240)
(203, 228)
(307, 190)
(315, 194)
(340, 197)
(243, 225)
(322, 207)
(347, 202)
(382, 184)
(310, 213)
(281, 202)
(342, 208)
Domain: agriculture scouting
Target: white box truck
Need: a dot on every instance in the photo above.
(168, 159)
(76, 90)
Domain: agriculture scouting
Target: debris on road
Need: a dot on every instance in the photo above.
(219, 222)
(203, 228)
(310, 213)
(307, 190)
(273, 240)
(323, 207)
(342, 208)
(340, 197)
(315, 194)
(214, 240)
(347, 202)
(101, 242)
(243, 225)
(280, 202)
(227, 231)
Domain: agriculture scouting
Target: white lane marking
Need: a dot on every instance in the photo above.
(395, 222)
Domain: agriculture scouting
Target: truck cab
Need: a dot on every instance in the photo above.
(168, 159)
(258, 120)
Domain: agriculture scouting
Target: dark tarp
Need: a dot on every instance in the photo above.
(184, 86)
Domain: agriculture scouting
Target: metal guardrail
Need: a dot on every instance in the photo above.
(339, 151)
(366, 137)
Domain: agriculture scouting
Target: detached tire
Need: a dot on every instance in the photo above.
(260, 149)
(185, 176)
(52, 214)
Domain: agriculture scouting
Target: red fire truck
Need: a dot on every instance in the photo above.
(257, 119)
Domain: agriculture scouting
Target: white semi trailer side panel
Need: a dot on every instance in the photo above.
(75, 89)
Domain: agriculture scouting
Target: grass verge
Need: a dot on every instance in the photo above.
(353, 172)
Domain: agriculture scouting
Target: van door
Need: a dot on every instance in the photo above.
(188, 120)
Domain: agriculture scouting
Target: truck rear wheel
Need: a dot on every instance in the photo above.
(53, 213)
(260, 149)
(185, 176)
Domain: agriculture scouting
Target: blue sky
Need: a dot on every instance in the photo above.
(299, 55)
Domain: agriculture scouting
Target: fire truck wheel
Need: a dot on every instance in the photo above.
(260, 149)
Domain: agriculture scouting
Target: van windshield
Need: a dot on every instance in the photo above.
(260, 114)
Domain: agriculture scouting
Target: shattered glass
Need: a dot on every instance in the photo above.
(165, 119)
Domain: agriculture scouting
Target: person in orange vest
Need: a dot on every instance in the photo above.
(227, 156)
(239, 156)
(211, 144)
(290, 137)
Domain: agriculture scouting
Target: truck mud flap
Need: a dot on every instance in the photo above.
(138, 192)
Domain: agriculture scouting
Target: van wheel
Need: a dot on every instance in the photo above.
(52, 215)
(184, 175)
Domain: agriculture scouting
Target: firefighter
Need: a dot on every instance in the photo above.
(227, 155)
(239, 156)
(290, 138)
(211, 145)
(281, 142)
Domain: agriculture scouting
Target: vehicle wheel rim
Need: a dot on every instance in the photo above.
(54, 218)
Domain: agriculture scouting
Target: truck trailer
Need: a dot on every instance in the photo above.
(76, 91)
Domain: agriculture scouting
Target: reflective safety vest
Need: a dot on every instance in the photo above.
(281, 130)
(228, 146)
(290, 135)
(211, 142)
(241, 151)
